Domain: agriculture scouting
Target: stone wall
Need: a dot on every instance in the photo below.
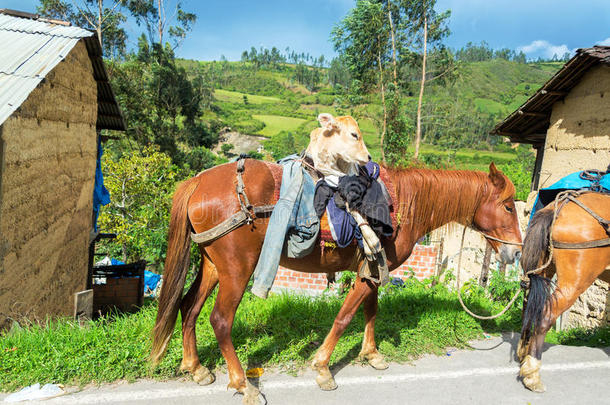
(49, 157)
(578, 138)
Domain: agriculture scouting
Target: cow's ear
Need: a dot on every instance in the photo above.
(328, 123)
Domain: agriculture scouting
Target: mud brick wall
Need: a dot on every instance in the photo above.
(421, 264)
(48, 158)
(578, 138)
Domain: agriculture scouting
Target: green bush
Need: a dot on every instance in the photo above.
(519, 171)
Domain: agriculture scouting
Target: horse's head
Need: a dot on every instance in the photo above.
(337, 144)
(496, 215)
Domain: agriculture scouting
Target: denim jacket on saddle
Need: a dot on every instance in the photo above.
(293, 225)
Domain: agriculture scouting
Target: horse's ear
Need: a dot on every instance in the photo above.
(327, 122)
(496, 176)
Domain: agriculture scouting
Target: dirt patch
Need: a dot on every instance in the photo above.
(241, 143)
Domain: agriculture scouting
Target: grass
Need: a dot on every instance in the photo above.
(277, 123)
(284, 330)
(237, 97)
(597, 337)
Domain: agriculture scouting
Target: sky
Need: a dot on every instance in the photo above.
(537, 27)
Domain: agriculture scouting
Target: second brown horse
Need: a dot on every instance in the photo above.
(426, 200)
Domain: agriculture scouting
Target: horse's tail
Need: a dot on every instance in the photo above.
(174, 273)
(535, 251)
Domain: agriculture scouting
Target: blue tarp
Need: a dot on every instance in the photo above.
(570, 182)
(151, 280)
(101, 196)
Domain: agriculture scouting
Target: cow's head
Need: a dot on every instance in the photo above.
(337, 144)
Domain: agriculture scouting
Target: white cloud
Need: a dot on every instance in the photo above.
(604, 42)
(545, 49)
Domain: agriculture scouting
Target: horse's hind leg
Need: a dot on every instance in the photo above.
(369, 348)
(576, 271)
(191, 305)
(362, 289)
(230, 291)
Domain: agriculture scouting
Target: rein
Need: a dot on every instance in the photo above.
(468, 311)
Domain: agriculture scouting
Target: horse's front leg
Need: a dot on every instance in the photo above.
(369, 350)
(361, 290)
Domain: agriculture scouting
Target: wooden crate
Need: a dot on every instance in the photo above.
(122, 291)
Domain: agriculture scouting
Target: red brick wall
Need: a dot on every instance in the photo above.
(421, 264)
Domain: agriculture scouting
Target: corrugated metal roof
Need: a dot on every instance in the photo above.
(529, 123)
(31, 48)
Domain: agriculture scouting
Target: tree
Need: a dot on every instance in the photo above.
(141, 188)
(362, 38)
(105, 17)
(162, 106)
(153, 15)
(422, 26)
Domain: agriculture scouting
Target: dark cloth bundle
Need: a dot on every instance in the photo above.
(363, 193)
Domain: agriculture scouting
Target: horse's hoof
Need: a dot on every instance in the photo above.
(375, 360)
(533, 383)
(325, 380)
(251, 394)
(203, 376)
(378, 362)
(530, 371)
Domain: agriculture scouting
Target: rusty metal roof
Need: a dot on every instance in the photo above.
(529, 123)
(32, 47)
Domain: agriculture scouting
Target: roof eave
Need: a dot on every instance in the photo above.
(529, 122)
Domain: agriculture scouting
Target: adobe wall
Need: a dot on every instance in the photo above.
(578, 139)
(47, 186)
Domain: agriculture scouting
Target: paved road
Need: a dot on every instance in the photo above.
(485, 375)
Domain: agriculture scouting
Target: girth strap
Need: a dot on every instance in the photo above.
(582, 245)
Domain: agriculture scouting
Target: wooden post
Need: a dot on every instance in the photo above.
(502, 268)
(485, 270)
(83, 305)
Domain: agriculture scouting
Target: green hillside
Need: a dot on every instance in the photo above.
(457, 115)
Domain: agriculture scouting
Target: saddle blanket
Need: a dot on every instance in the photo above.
(588, 180)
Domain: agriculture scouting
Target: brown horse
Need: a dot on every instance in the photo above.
(427, 199)
(576, 270)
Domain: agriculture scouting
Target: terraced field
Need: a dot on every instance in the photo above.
(237, 97)
(274, 124)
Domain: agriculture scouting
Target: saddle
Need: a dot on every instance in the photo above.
(326, 236)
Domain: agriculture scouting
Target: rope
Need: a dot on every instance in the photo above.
(460, 291)
(560, 201)
(487, 236)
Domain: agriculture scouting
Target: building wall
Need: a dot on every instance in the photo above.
(579, 135)
(578, 139)
(49, 157)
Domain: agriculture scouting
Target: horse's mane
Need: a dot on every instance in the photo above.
(423, 195)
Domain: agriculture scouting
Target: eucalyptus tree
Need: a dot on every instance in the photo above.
(362, 39)
(105, 17)
(421, 27)
(158, 20)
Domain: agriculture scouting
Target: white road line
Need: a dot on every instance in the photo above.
(190, 391)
